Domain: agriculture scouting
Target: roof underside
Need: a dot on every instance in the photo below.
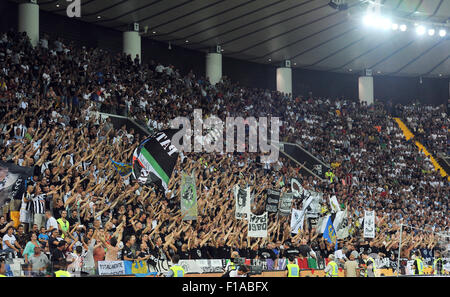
(310, 33)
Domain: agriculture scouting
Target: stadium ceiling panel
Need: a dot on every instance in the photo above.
(310, 33)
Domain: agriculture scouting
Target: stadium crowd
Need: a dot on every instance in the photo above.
(78, 209)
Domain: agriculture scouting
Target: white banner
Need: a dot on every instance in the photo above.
(202, 265)
(297, 218)
(369, 224)
(257, 225)
(340, 216)
(242, 202)
(296, 188)
(334, 204)
(285, 204)
(111, 267)
(322, 224)
(307, 202)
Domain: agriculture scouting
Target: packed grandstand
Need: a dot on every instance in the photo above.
(58, 111)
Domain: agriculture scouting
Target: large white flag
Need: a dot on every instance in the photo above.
(369, 224)
(297, 218)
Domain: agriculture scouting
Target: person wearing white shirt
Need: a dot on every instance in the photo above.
(10, 243)
(51, 222)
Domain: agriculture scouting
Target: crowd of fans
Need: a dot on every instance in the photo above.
(430, 126)
(78, 209)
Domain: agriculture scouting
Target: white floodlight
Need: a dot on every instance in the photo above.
(420, 30)
(403, 27)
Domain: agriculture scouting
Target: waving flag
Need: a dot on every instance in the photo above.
(122, 168)
(329, 233)
(155, 158)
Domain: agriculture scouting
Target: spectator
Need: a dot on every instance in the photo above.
(39, 261)
(29, 247)
(351, 267)
(10, 244)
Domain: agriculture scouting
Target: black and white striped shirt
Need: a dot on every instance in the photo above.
(38, 203)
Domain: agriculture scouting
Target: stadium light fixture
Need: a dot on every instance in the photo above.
(369, 20)
(431, 32)
(385, 23)
(420, 30)
(394, 26)
(442, 33)
(403, 27)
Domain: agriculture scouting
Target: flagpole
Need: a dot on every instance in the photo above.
(399, 250)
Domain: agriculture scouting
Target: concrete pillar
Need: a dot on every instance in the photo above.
(365, 87)
(29, 21)
(214, 67)
(132, 44)
(284, 80)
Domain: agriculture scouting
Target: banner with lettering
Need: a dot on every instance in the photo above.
(285, 204)
(369, 224)
(257, 225)
(155, 158)
(111, 267)
(202, 266)
(242, 202)
(188, 199)
(273, 199)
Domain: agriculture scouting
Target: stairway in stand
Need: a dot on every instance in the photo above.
(409, 135)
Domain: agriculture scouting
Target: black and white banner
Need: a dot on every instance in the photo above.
(111, 267)
(369, 224)
(285, 204)
(257, 225)
(12, 181)
(242, 202)
(202, 266)
(273, 198)
(314, 207)
(297, 218)
(296, 188)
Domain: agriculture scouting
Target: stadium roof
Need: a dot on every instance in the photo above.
(310, 33)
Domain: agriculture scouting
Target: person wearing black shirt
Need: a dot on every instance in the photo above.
(73, 218)
(222, 251)
(53, 241)
(144, 252)
(289, 250)
(253, 253)
(267, 253)
(127, 253)
(58, 253)
(184, 253)
(244, 251)
(304, 249)
(58, 208)
(195, 252)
